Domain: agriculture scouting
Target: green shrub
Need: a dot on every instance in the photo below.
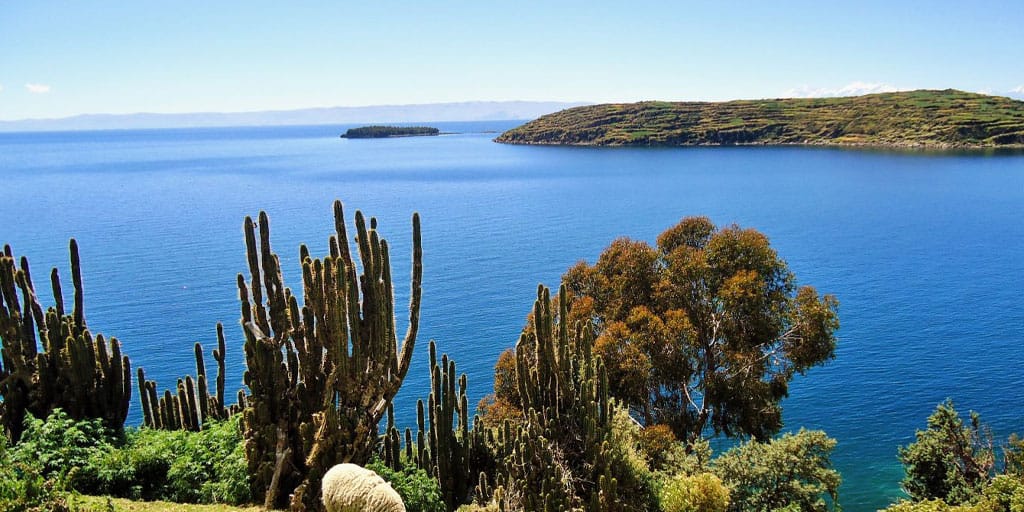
(703, 492)
(210, 466)
(59, 444)
(109, 472)
(23, 488)
(658, 443)
(191, 467)
(636, 484)
(794, 471)
(186, 467)
(1004, 493)
(950, 460)
(669, 458)
(936, 505)
(419, 491)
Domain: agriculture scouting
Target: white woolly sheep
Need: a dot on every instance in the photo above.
(351, 488)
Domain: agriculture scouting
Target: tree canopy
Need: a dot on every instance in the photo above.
(704, 331)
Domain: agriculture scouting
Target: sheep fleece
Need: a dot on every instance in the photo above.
(351, 488)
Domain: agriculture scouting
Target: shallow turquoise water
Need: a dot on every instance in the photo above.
(924, 251)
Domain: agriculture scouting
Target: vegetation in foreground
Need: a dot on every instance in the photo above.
(85, 503)
(606, 403)
(956, 466)
(939, 119)
(380, 132)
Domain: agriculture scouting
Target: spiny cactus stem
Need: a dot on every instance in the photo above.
(76, 276)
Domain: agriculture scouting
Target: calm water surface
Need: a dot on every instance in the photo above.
(925, 252)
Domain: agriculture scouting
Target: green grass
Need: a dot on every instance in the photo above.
(940, 119)
(100, 503)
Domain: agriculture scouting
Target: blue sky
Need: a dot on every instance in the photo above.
(66, 58)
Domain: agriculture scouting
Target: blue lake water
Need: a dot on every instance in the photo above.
(924, 251)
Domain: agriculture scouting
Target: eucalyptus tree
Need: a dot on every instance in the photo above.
(705, 331)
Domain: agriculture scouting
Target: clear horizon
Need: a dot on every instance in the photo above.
(66, 59)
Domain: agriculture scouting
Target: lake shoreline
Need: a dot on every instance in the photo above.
(865, 145)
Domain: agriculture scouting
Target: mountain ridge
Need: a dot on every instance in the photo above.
(409, 113)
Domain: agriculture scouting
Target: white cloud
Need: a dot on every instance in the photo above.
(1019, 89)
(1, 88)
(851, 89)
(37, 88)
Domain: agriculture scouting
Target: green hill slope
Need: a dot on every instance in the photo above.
(940, 119)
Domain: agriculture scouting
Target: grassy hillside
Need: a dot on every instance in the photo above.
(938, 119)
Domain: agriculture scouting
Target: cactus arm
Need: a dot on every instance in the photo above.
(414, 300)
(76, 277)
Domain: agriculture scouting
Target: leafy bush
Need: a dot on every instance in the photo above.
(794, 470)
(703, 492)
(419, 491)
(59, 444)
(636, 484)
(186, 467)
(23, 488)
(952, 467)
(935, 505)
(949, 461)
(658, 444)
(1004, 493)
(211, 467)
(669, 457)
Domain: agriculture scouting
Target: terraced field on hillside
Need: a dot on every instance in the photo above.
(941, 119)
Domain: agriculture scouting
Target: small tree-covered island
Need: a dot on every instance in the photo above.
(914, 119)
(383, 132)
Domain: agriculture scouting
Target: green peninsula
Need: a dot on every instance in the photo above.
(925, 118)
(380, 132)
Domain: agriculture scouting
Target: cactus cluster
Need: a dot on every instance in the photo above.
(446, 446)
(192, 405)
(558, 457)
(86, 376)
(555, 458)
(320, 376)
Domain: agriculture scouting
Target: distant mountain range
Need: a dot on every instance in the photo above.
(432, 112)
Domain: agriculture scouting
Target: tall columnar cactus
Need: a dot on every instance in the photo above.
(321, 376)
(192, 406)
(449, 436)
(87, 377)
(554, 457)
(392, 445)
(447, 446)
